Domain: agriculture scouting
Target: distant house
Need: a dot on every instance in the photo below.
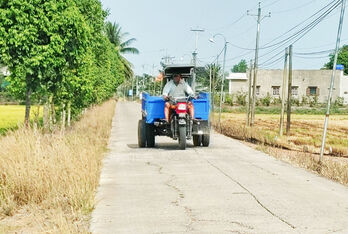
(306, 83)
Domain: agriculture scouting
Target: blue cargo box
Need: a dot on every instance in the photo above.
(153, 107)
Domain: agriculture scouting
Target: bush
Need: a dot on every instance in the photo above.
(304, 100)
(241, 98)
(266, 101)
(295, 101)
(313, 101)
(229, 99)
(276, 101)
(339, 102)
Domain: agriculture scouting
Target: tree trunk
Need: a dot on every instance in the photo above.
(27, 104)
(63, 116)
(53, 111)
(46, 114)
(69, 114)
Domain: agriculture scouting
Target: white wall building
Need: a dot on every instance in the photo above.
(305, 83)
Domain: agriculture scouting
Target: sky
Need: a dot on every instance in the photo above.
(162, 28)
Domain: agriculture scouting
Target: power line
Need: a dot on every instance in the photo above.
(313, 15)
(295, 8)
(272, 3)
(300, 34)
(316, 52)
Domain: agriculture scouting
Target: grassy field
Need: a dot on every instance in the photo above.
(48, 181)
(11, 116)
(305, 134)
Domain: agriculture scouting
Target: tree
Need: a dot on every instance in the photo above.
(117, 38)
(242, 66)
(58, 49)
(341, 59)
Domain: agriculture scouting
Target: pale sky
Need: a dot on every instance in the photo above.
(163, 27)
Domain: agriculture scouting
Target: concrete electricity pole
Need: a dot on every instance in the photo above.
(285, 77)
(194, 57)
(332, 80)
(288, 120)
(259, 19)
(249, 92)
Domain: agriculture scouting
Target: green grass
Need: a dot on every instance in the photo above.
(13, 115)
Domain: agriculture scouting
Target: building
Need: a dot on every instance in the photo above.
(305, 83)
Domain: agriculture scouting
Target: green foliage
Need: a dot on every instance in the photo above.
(339, 102)
(276, 100)
(341, 59)
(242, 67)
(295, 101)
(313, 101)
(229, 99)
(266, 101)
(241, 98)
(117, 37)
(59, 49)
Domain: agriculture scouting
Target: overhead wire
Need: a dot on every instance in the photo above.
(294, 38)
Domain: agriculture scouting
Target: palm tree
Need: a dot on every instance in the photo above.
(118, 38)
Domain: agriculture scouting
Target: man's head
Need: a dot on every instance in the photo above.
(176, 78)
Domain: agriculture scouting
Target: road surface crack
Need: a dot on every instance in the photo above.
(181, 196)
(253, 195)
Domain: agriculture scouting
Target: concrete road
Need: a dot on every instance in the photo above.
(226, 188)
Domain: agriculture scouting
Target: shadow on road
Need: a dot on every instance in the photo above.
(162, 146)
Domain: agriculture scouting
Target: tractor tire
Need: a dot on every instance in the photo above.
(206, 140)
(182, 137)
(150, 135)
(141, 133)
(197, 140)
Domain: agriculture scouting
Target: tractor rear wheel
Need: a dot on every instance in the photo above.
(197, 140)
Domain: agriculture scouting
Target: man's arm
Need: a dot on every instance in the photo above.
(166, 90)
(189, 90)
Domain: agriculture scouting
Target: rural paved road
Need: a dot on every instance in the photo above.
(226, 188)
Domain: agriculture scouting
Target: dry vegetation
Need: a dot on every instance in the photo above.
(48, 181)
(303, 144)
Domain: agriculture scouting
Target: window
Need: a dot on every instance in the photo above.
(312, 91)
(276, 90)
(257, 90)
(294, 90)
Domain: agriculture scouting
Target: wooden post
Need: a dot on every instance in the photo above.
(288, 122)
(285, 76)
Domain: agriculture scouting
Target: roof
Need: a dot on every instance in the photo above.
(237, 76)
(184, 70)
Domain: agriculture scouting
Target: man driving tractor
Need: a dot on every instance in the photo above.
(176, 88)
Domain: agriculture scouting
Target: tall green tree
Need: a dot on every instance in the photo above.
(341, 59)
(118, 38)
(58, 49)
(241, 67)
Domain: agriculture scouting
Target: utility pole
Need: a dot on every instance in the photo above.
(288, 120)
(194, 57)
(332, 80)
(249, 92)
(222, 83)
(259, 19)
(285, 76)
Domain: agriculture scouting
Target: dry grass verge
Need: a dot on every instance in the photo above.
(48, 181)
